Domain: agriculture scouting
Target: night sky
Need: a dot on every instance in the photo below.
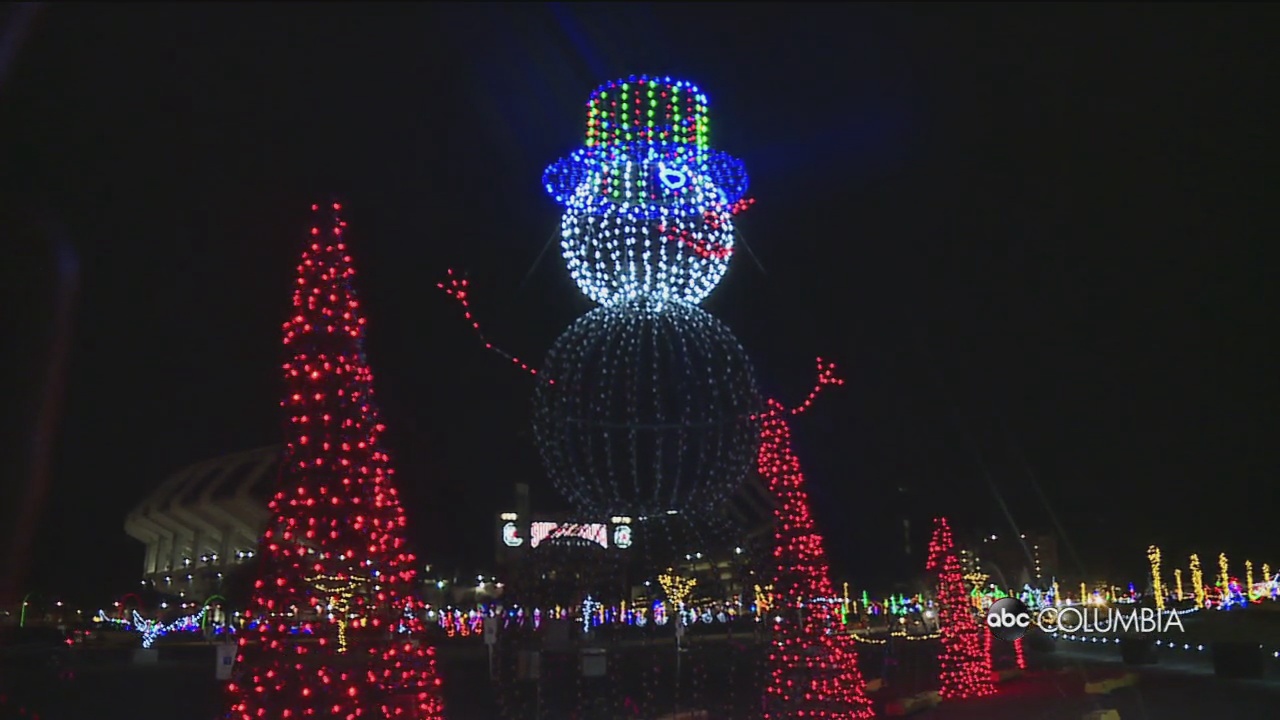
(1041, 242)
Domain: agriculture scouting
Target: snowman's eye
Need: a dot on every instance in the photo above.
(672, 178)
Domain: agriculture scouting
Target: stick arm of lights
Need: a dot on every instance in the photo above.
(456, 286)
(826, 376)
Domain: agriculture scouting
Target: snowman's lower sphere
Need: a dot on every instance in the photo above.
(651, 409)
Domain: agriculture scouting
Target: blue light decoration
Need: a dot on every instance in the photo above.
(648, 205)
(151, 630)
(672, 179)
(1234, 597)
(590, 607)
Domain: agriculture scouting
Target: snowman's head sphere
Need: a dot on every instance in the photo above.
(651, 227)
(648, 206)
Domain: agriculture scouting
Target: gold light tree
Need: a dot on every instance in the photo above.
(764, 599)
(1224, 576)
(678, 589)
(341, 591)
(1177, 578)
(977, 582)
(1197, 580)
(1153, 554)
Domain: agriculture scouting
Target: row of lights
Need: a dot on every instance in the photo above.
(210, 558)
(1159, 643)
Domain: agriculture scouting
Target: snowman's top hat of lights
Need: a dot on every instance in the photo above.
(648, 203)
(642, 118)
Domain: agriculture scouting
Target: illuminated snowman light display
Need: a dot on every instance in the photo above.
(652, 412)
(647, 406)
(648, 205)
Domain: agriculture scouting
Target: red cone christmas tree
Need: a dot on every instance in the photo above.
(964, 662)
(813, 671)
(337, 634)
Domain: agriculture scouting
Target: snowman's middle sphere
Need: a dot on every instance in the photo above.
(653, 411)
(647, 228)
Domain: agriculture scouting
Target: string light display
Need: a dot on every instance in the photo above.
(336, 518)
(676, 588)
(1177, 579)
(1224, 575)
(813, 668)
(651, 429)
(341, 591)
(895, 635)
(1018, 653)
(456, 287)
(1157, 587)
(844, 604)
(964, 666)
(152, 630)
(653, 412)
(647, 407)
(1197, 581)
(648, 205)
(764, 600)
(1248, 575)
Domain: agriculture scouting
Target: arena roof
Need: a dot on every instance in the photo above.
(212, 509)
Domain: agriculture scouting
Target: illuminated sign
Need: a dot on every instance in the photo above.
(511, 535)
(596, 533)
(619, 529)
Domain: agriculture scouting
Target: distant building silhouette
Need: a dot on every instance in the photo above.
(205, 520)
(1012, 561)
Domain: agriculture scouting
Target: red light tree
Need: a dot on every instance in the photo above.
(964, 662)
(813, 670)
(337, 634)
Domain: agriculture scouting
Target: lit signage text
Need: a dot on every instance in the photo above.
(541, 532)
(596, 533)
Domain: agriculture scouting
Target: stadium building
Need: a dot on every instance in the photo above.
(204, 520)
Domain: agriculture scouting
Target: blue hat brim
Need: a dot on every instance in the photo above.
(563, 177)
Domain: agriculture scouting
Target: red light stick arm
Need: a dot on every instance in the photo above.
(457, 288)
(826, 376)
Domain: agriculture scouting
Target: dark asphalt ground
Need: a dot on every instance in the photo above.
(103, 683)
